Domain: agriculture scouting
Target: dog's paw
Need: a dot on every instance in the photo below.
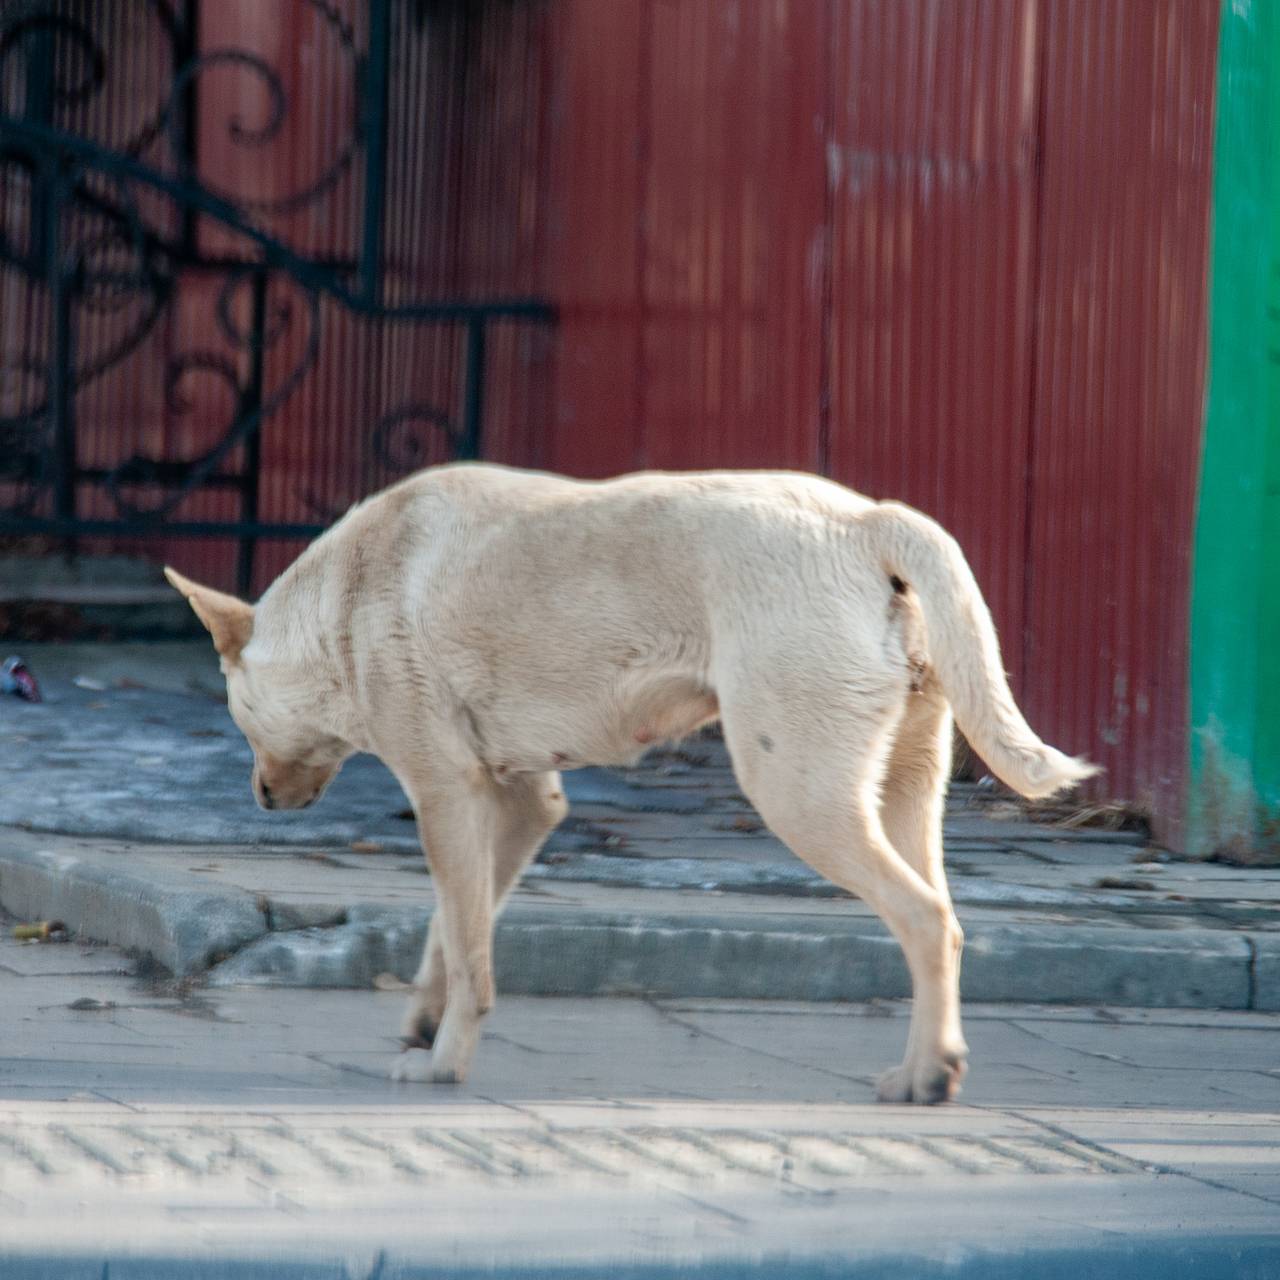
(940, 1082)
(447, 1073)
(894, 1085)
(934, 1082)
(417, 1066)
(418, 1031)
(413, 1066)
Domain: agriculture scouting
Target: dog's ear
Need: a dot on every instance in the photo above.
(229, 621)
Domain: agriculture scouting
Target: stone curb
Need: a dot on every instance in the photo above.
(184, 929)
(567, 952)
(1152, 1256)
(1265, 993)
(1206, 1254)
(775, 957)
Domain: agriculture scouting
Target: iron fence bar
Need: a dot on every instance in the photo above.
(55, 527)
(305, 271)
(37, 109)
(374, 128)
(65, 198)
(468, 448)
(184, 52)
(253, 441)
(108, 475)
(56, 181)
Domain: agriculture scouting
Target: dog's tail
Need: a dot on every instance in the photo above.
(965, 653)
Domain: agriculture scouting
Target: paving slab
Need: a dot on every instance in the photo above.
(249, 1132)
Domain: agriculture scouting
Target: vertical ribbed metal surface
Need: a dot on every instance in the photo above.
(503, 211)
(121, 409)
(1119, 393)
(312, 448)
(931, 161)
(593, 260)
(462, 219)
(689, 156)
(951, 251)
(734, 206)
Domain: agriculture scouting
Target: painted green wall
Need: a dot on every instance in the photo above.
(1234, 799)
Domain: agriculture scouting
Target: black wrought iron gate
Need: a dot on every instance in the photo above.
(115, 230)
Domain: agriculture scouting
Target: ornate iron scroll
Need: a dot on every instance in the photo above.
(107, 217)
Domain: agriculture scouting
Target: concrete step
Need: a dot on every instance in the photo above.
(600, 940)
(98, 597)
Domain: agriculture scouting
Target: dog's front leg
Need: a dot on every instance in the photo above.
(456, 824)
(529, 808)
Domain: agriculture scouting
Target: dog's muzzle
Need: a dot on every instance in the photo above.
(295, 793)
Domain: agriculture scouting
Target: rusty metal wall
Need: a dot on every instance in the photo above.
(689, 250)
(174, 394)
(952, 251)
(277, 132)
(593, 260)
(463, 220)
(932, 168)
(1119, 384)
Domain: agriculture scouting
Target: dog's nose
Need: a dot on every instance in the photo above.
(267, 801)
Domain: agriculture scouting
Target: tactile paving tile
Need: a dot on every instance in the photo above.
(277, 1152)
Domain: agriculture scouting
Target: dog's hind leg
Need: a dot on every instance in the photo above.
(911, 805)
(811, 761)
(529, 808)
(914, 791)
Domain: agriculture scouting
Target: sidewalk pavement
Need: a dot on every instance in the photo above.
(125, 812)
(228, 1123)
(150, 1130)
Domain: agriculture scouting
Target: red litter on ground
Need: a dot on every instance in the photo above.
(16, 678)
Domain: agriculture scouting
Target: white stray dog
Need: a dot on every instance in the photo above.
(480, 628)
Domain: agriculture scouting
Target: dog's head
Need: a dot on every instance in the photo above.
(272, 702)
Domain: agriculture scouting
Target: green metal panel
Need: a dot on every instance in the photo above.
(1234, 803)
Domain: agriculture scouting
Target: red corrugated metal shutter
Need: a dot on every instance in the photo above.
(690, 263)
(1120, 383)
(932, 165)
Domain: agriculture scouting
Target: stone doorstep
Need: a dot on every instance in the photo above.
(539, 952)
(86, 593)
